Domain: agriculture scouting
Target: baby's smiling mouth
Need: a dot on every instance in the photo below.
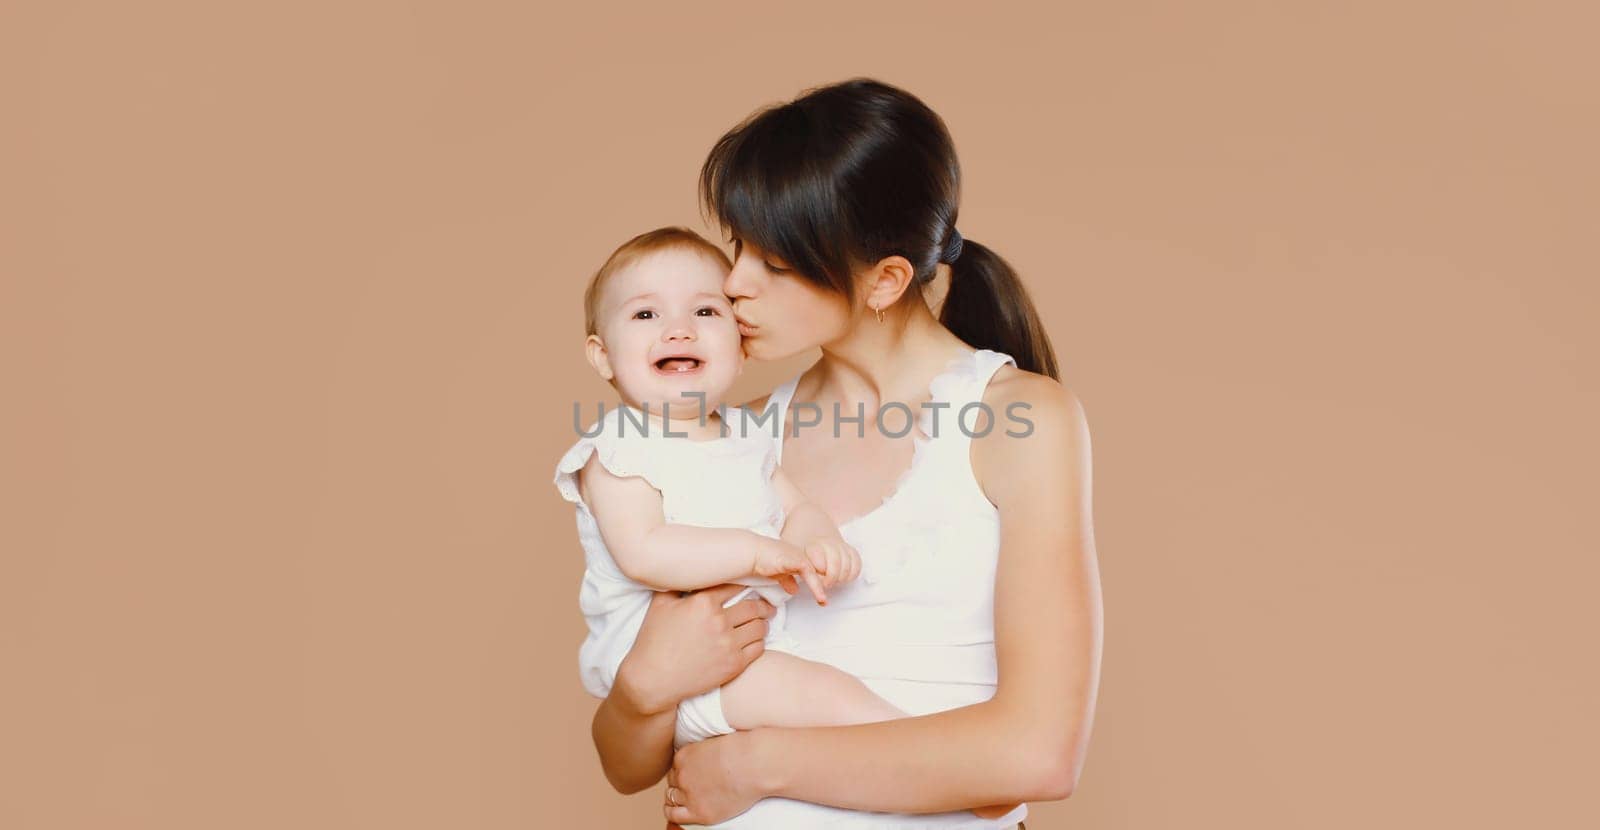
(678, 365)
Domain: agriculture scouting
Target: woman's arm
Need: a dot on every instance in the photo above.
(633, 739)
(686, 645)
(1027, 742)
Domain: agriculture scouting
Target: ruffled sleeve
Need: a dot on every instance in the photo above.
(621, 450)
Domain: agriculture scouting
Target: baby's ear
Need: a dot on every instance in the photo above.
(595, 350)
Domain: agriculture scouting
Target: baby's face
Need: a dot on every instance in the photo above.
(665, 330)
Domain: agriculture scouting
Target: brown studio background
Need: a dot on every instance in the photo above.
(289, 333)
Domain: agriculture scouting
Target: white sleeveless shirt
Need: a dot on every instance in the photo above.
(918, 625)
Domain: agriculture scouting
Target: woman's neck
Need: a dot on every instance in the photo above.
(876, 363)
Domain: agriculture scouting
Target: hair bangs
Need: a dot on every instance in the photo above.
(764, 184)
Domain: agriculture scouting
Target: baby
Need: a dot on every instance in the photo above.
(671, 498)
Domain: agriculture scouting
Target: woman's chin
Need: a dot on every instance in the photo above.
(758, 349)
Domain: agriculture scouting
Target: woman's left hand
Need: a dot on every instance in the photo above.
(710, 781)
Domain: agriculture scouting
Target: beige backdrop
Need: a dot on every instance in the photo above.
(290, 327)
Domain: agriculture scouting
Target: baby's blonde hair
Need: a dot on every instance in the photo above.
(633, 250)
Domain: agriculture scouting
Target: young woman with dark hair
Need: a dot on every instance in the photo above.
(978, 609)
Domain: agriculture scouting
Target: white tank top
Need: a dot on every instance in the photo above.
(918, 625)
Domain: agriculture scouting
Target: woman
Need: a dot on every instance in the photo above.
(978, 609)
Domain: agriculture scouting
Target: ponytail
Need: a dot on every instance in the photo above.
(988, 308)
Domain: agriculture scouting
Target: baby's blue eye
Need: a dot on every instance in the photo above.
(640, 314)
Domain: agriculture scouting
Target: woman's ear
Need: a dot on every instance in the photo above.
(595, 350)
(887, 280)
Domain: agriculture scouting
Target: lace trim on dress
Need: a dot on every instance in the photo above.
(916, 527)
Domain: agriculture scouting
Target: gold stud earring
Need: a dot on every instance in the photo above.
(878, 312)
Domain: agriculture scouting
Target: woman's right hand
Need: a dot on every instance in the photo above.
(691, 644)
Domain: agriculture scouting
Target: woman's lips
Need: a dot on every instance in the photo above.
(745, 329)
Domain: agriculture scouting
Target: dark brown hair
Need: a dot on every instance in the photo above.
(637, 248)
(857, 171)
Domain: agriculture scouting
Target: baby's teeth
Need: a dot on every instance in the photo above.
(680, 364)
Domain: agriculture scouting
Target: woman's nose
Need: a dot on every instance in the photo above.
(740, 282)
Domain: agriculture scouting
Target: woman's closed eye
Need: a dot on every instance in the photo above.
(738, 248)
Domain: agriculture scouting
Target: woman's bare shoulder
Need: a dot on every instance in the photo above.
(1041, 395)
(1037, 421)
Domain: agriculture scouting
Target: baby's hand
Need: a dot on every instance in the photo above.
(780, 560)
(835, 559)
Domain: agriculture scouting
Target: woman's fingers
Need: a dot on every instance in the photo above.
(673, 796)
(756, 629)
(751, 651)
(746, 610)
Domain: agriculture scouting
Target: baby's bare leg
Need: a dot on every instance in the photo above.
(780, 689)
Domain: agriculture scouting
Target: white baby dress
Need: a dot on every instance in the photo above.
(723, 482)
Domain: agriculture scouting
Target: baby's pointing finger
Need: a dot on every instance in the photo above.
(815, 583)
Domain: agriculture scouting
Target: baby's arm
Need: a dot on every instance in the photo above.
(679, 557)
(803, 520)
(809, 527)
